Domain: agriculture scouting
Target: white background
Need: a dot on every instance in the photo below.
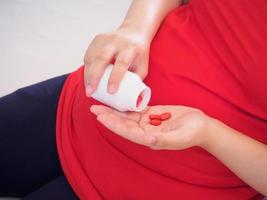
(40, 39)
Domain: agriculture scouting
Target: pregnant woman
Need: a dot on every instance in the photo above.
(205, 63)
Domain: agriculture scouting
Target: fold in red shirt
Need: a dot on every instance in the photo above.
(208, 54)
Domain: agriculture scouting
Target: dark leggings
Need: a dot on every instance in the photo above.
(29, 163)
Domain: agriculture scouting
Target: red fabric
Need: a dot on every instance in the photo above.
(208, 54)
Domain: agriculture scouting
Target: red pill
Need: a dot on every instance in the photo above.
(154, 117)
(139, 100)
(155, 122)
(165, 116)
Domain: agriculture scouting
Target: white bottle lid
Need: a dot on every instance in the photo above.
(126, 97)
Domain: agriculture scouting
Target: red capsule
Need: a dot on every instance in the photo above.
(155, 122)
(165, 116)
(154, 117)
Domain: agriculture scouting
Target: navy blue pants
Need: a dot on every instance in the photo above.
(29, 163)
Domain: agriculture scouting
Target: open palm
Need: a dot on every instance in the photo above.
(182, 130)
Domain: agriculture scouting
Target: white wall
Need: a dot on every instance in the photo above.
(40, 39)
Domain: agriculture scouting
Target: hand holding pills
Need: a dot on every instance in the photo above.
(158, 127)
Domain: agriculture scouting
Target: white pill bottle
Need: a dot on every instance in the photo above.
(132, 94)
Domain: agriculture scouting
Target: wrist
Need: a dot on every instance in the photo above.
(139, 29)
(211, 133)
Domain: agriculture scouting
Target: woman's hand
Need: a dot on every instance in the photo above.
(189, 127)
(128, 48)
(186, 127)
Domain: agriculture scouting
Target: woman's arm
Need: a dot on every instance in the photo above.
(246, 157)
(146, 15)
(128, 45)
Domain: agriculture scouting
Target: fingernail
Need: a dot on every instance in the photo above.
(151, 139)
(111, 88)
(89, 90)
(92, 109)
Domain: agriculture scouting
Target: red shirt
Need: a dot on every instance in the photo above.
(211, 55)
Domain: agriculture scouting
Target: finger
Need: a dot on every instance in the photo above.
(142, 68)
(122, 63)
(125, 128)
(89, 54)
(100, 109)
(88, 58)
(96, 71)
